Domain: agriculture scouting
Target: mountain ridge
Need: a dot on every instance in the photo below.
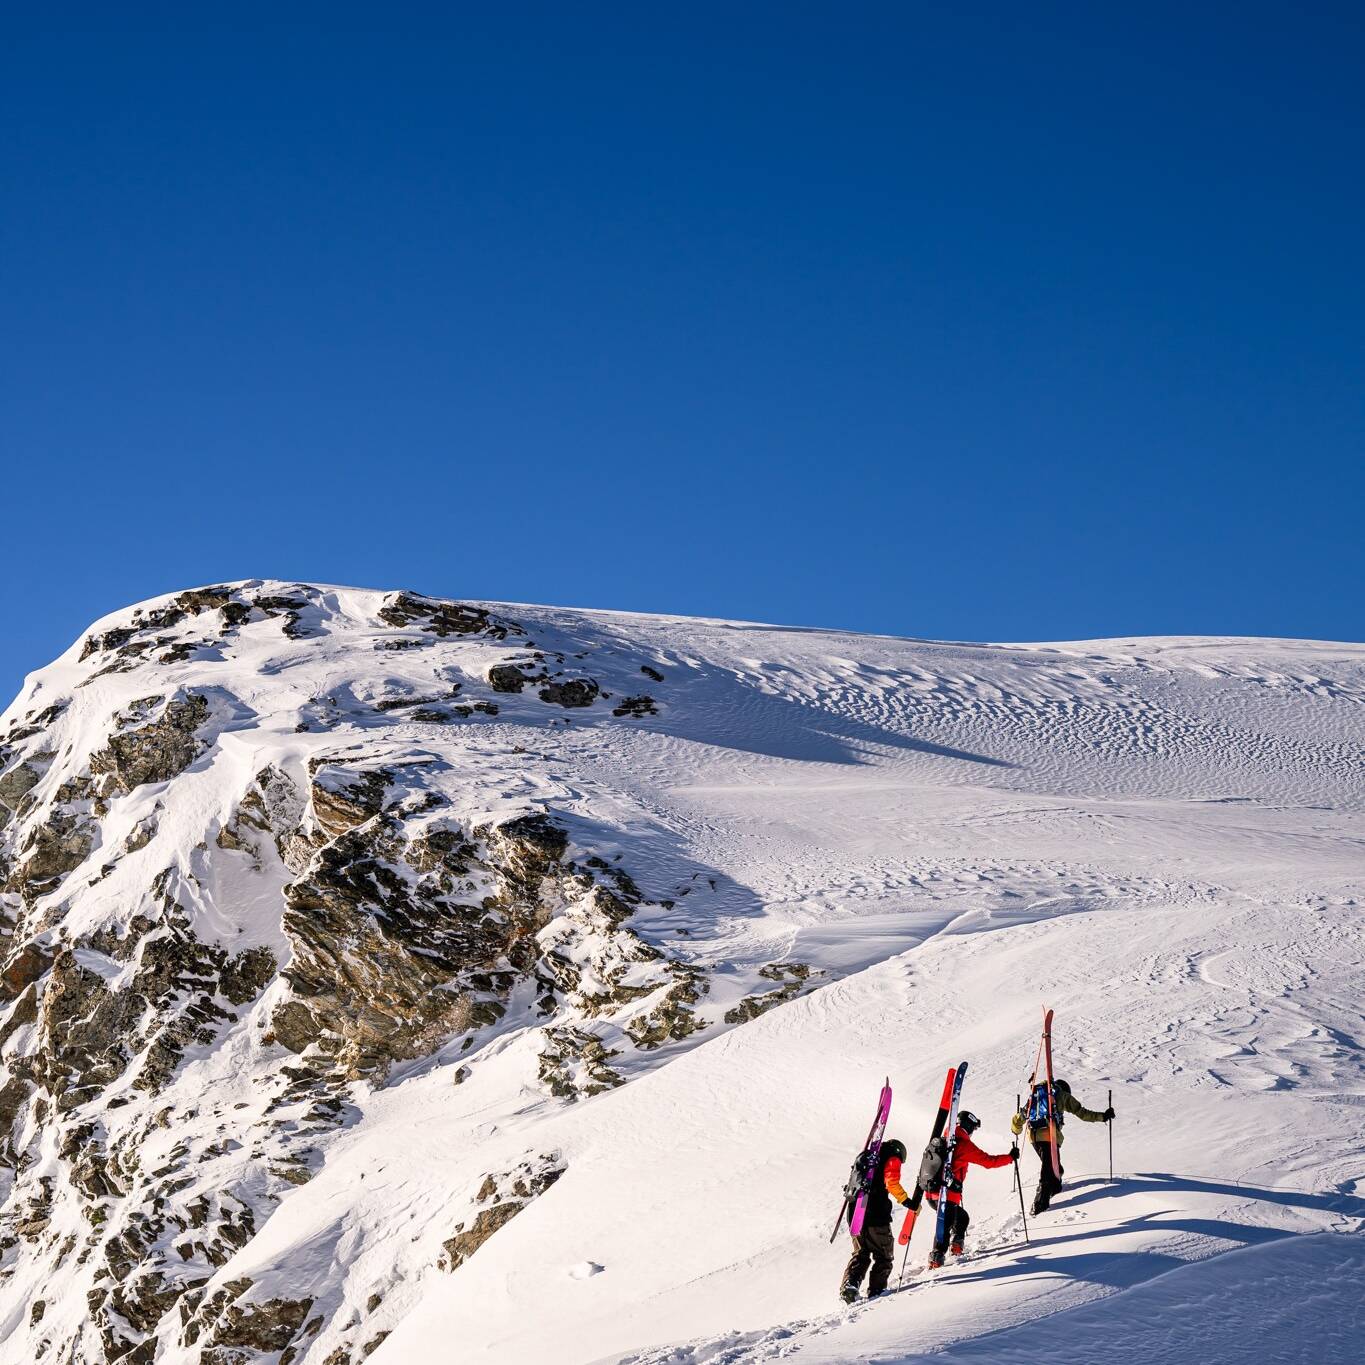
(339, 854)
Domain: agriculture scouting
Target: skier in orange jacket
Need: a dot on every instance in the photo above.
(874, 1246)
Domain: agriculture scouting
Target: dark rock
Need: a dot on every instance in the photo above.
(511, 678)
(574, 693)
(16, 784)
(443, 618)
(635, 706)
(54, 848)
(792, 976)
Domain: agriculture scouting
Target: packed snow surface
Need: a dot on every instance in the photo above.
(1161, 839)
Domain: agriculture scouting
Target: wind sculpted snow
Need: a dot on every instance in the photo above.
(395, 979)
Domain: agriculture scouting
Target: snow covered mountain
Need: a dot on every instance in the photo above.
(398, 979)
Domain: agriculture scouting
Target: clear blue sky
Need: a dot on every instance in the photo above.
(988, 322)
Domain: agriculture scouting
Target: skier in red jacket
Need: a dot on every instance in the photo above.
(965, 1153)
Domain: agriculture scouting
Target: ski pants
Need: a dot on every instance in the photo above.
(1048, 1183)
(877, 1248)
(955, 1222)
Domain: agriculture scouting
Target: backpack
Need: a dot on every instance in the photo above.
(1039, 1106)
(931, 1163)
(860, 1173)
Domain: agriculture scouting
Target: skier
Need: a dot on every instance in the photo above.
(874, 1245)
(965, 1153)
(1064, 1103)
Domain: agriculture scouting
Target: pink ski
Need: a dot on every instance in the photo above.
(873, 1149)
(855, 1191)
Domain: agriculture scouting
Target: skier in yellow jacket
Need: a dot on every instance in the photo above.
(1064, 1103)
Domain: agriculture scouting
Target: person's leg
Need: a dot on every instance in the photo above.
(857, 1264)
(1047, 1182)
(940, 1246)
(959, 1229)
(883, 1247)
(1040, 1195)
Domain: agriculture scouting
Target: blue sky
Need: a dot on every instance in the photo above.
(977, 322)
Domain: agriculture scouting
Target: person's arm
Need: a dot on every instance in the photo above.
(892, 1177)
(973, 1155)
(1073, 1106)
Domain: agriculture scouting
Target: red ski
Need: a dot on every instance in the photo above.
(917, 1194)
(1042, 1105)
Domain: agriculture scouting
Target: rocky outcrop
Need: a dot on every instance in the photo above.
(57, 846)
(231, 1328)
(572, 692)
(344, 798)
(158, 750)
(327, 886)
(154, 633)
(15, 785)
(401, 941)
(24, 967)
(273, 808)
(90, 1033)
(442, 618)
(512, 677)
(642, 705)
(500, 1199)
(557, 690)
(792, 978)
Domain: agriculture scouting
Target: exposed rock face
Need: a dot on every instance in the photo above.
(574, 692)
(635, 706)
(500, 1199)
(401, 939)
(445, 618)
(57, 846)
(230, 1329)
(157, 751)
(791, 977)
(16, 784)
(246, 871)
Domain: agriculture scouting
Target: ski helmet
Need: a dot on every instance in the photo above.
(1061, 1086)
(894, 1148)
(968, 1121)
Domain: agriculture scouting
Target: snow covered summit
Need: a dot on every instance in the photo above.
(394, 978)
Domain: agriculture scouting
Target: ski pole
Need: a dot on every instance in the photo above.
(1111, 1140)
(1016, 1164)
(1019, 1185)
(905, 1261)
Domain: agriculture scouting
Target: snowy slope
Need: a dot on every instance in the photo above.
(796, 861)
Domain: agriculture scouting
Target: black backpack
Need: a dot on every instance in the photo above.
(860, 1174)
(931, 1163)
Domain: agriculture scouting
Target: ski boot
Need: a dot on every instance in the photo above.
(849, 1293)
(956, 1248)
(935, 1260)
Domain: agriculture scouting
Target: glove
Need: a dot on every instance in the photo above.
(1014, 1152)
(1109, 1114)
(905, 1203)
